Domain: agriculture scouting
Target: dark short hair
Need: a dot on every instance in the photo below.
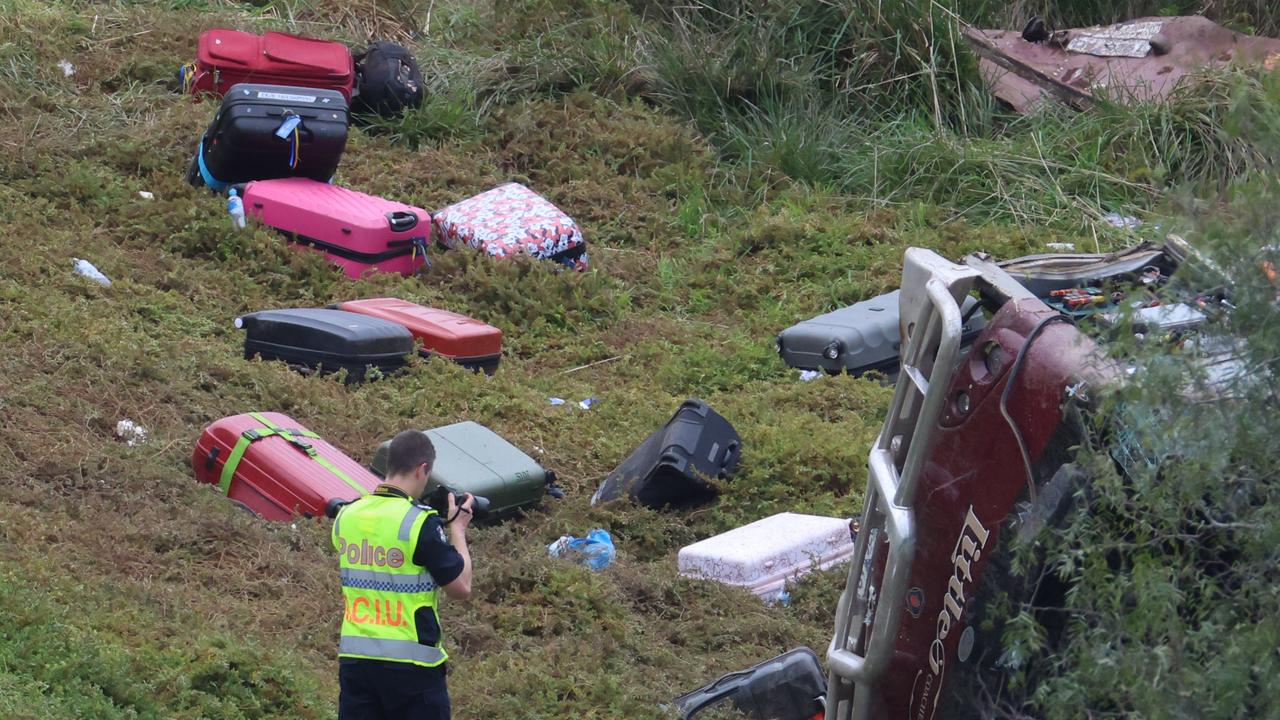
(408, 450)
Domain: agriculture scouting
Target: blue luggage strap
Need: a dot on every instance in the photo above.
(214, 184)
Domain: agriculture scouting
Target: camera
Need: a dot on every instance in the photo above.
(438, 498)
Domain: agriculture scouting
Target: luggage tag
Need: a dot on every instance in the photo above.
(291, 122)
(288, 130)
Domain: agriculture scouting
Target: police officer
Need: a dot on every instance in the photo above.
(394, 559)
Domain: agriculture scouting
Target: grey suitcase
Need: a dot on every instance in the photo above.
(858, 339)
(471, 458)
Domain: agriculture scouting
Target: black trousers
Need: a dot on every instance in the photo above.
(379, 690)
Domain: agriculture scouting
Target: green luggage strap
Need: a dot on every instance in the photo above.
(294, 437)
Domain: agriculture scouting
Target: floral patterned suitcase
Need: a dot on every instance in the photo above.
(511, 220)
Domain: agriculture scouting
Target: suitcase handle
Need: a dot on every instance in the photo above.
(729, 451)
(211, 458)
(402, 220)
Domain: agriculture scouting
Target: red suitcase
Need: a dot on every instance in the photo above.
(466, 341)
(276, 467)
(359, 232)
(226, 57)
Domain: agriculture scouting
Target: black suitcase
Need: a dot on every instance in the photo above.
(326, 341)
(673, 465)
(858, 339)
(791, 686)
(254, 136)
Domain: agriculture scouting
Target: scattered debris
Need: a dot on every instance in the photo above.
(67, 68)
(592, 364)
(807, 375)
(596, 550)
(146, 195)
(1061, 247)
(1141, 59)
(86, 269)
(585, 403)
(131, 432)
(1128, 222)
(1042, 274)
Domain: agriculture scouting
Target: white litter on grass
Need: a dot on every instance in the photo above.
(131, 432)
(585, 403)
(807, 375)
(146, 195)
(1062, 247)
(84, 268)
(67, 68)
(1128, 222)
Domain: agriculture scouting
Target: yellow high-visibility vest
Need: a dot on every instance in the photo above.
(382, 588)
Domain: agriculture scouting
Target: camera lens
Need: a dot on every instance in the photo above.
(479, 505)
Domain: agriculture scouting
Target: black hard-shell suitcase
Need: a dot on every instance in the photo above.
(264, 132)
(326, 341)
(791, 686)
(673, 465)
(858, 339)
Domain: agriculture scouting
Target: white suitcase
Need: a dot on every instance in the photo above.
(766, 554)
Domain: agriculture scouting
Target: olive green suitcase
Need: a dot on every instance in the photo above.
(471, 458)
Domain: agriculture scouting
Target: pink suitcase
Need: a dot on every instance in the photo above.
(511, 220)
(359, 232)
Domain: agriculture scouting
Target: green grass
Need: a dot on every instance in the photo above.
(715, 218)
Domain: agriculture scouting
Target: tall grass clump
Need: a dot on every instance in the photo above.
(724, 60)
(1170, 553)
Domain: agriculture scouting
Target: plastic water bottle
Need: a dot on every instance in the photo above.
(235, 207)
(86, 268)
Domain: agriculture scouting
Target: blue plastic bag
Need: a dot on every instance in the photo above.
(596, 550)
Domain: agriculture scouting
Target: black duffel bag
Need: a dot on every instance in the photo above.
(387, 80)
